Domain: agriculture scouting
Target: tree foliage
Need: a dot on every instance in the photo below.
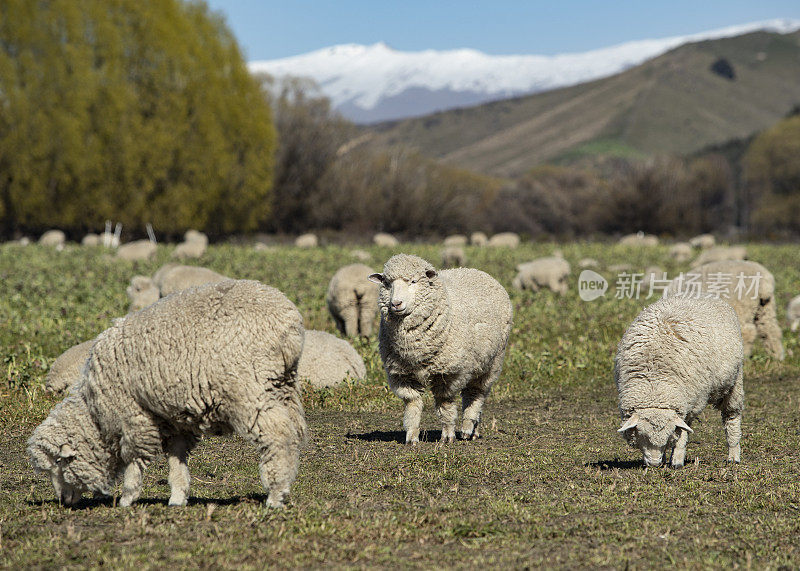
(131, 110)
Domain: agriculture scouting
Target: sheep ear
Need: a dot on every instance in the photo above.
(630, 423)
(377, 278)
(680, 423)
(430, 274)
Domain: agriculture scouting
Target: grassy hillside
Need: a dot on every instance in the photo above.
(550, 484)
(674, 103)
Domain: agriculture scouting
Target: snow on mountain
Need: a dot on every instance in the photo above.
(376, 83)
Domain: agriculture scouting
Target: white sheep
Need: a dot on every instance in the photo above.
(217, 358)
(719, 254)
(750, 288)
(584, 263)
(327, 361)
(308, 240)
(639, 239)
(66, 369)
(353, 300)
(179, 277)
(384, 239)
(793, 313)
(453, 256)
(478, 239)
(53, 238)
(677, 356)
(455, 240)
(193, 246)
(445, 330)
(504, 240)
(703, 241)
(137, 250)
(141, 293)
(91, 240)
(551, 272)
(681, 252)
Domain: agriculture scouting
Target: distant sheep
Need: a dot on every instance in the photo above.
(327, 361)
(455, 240)
(719, 254)
(445, 330)
(504, 240)
(137, 250)
(453, 257)
(704, 241)
(353, 300)
(306, 241)
(141, 293)
(478, 239)
(793, 313)
(91, 240)
(550, 272)
(193, 246)
(681, 252)
(584, 263)
(384, 239)
(53, 238)
(639, 239)
(66, 369)
(180, 278)
(361, 255)
(677, 356)
(217, 358)
(749, 287)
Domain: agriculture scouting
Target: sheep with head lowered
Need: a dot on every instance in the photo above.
(478, 239)
(679, 355)
(551, 272)
(353, 300)
(216, 358)
(453, 257)
(749, 287)
(327, 360)
(53, 238)
(444, 330)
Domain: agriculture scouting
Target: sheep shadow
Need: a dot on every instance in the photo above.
(398, 436)
(616, 464)
(92, 503)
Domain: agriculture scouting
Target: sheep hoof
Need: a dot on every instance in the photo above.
(177, 502)
(447, 439)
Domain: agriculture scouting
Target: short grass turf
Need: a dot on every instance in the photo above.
(549, 485)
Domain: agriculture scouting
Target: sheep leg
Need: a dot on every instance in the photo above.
(679, 451)
(748, 338)
(768, 329)
(349, 317)
(412, 417)
(179, 478)
(131, 484)
(732, 406)
(447, 411)
(474, 395)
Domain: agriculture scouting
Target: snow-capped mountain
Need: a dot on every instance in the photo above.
(376, 83)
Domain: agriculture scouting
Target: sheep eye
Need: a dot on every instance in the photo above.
(415, 280)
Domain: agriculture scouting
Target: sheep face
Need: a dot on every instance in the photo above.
(399, 296)
(653, 430)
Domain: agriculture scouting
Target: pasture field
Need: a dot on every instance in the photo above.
(549, 485)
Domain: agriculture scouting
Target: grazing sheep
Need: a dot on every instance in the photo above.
(193, 246)
(793, 313)
(478, 239)
(142, 292)
(183, 277)
(327, 360)
(445, 330)
(749, 287)
(361, 255)
(217, 358)
(195, 236)
(137, 250)
(66, 369)
(677, 356)
(639, 239)
(91, 240)
(306, 241)
(681, 252)
(504, 240)
(53, 238)
(551, 272)
(455, 240)
(453, 256)
(704, 241)
(353, 300)
(719, 254)
(584, 263)
(384, 239)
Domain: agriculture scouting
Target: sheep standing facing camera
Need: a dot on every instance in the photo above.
(217, 358)
(446, 331)
(679, 355)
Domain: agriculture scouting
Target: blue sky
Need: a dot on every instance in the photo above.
(270, 29)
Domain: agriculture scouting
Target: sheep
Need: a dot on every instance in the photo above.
(677, 356)
(445, 330)
(158, 277)
(53, 238)
(639, 239)
(361, 255)
(193, 246)
(653, 276)
(478, 239)
(453, 256)
(91, 240)
(384, 239)
(703, 241)
(749, 287)
(718, 254)
(326, 360)
(552, 272)
(353, 300)
(584, 263)
(793, 313)
(306, 241)
(216, 358)
(455, 240)
(681, 252)
(142, 292)
(504, 240)
(137, 250)
(195, 236)
(66, 369)
(183, 277)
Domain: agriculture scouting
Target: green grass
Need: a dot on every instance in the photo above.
(550, 484)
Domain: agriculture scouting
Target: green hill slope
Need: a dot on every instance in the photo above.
(676, 103)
